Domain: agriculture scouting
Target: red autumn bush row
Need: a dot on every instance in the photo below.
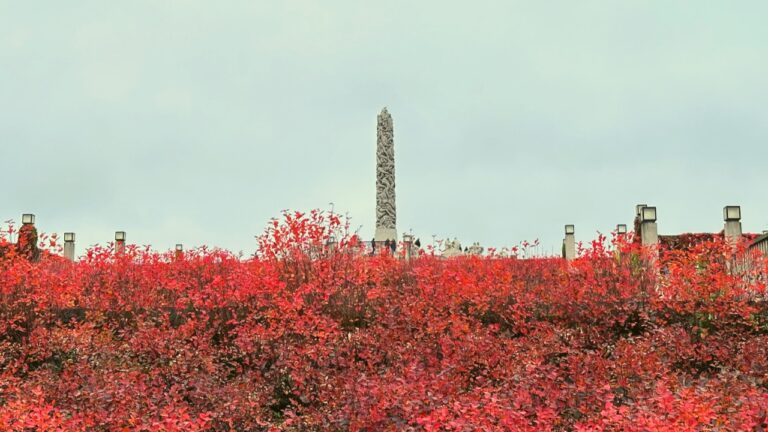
(307, 337)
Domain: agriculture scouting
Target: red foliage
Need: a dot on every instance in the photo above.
(310, 335)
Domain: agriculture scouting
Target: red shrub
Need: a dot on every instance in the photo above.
(309, 335)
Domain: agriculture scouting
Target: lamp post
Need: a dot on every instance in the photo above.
(569, 243)
(636, 224)
(26, 238)
(69, 246)
(408, 245)
(119, 242)
(621, 235)
(331, 242)
(649, 232)
(732, 218)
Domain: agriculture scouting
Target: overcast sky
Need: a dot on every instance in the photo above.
(195, 122)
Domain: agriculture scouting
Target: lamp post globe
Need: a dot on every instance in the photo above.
(732, 213)
(648, 214)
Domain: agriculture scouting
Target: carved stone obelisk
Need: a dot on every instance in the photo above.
(386, 215)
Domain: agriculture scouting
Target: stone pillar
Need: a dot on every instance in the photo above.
(569, 243)
(386, 215)
(649, 232)
(732, 218)
(69, 246)
(119, 242)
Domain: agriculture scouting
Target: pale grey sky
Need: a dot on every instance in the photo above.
(197, 121)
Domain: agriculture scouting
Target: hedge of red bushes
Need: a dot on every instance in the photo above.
(311, 338)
